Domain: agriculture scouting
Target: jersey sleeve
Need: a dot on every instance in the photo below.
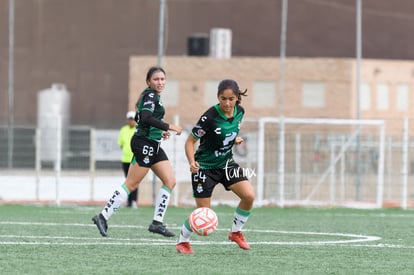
(149, 101)
(203, 124)
(147, 118)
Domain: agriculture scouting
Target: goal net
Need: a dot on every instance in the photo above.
(308, 162)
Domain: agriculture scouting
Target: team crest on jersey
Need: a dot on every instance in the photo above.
(199, 188)
(200, 133)
(146, 160)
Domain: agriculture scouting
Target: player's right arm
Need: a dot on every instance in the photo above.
(148, 105)
(199, 130)
(189, 152)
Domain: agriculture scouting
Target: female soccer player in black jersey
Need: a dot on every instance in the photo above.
(212, 163)
(148, 154)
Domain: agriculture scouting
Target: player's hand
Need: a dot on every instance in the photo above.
(238, 140)
(165, 135)
(194, 166)
(176, 128)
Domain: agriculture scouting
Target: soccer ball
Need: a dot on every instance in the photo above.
(203, 221)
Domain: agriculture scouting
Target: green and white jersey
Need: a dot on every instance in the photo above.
(217, 134)
(153, 126)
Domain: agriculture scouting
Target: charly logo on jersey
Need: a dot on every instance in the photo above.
(217, 131)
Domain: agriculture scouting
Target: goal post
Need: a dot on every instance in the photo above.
(264, 146)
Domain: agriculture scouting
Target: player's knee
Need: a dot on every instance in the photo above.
(131, 185)
(169, 184)
(249, 198)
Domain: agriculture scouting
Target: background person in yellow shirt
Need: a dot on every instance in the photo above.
(124, 141)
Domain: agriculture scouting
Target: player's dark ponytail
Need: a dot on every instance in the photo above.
(239, 96)
(231, 84)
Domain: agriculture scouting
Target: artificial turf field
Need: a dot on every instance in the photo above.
(63, 240)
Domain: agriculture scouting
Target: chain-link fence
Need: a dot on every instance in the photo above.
(316, 164)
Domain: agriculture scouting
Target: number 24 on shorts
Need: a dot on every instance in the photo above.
(199, 176)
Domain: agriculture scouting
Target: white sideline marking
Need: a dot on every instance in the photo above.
(354, 238)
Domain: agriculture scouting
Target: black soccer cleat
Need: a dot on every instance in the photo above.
(100, 222)
(159, 228)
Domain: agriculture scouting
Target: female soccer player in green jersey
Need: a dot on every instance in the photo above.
(212, 163)
(148, 154)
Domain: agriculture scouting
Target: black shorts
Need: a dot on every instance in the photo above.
(146, 152)
(204, 181)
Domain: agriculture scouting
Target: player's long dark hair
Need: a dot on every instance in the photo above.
(231, 84)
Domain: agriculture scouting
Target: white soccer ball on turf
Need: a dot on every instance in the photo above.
(203, 221)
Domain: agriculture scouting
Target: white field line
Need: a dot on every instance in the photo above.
(159, 243)
(342, 238)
